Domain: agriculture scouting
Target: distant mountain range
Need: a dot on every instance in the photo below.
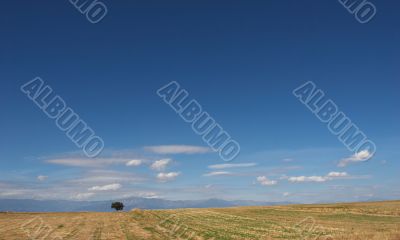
(29, 205)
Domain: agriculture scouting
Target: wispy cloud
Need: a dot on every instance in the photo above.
(87, 162)
(134, 162)
(287, 160)
(361, 156)
(42, 178)
(82, 196)
(160, 165)
(177, 149)
(147, 195)
(286, 194)
(328, 177)
(109, 187)
(166, 177)
(232, 165)
(107, 177)
(337, 174)
(218, 173)
(6, 193)
(307, 179)
(263, 180)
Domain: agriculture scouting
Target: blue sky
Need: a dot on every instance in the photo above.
(240, 60)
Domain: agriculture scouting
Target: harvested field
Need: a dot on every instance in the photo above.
(361, 221)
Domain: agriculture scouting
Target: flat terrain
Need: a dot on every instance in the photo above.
(378, 221)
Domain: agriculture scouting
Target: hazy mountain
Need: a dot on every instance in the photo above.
(28, 205)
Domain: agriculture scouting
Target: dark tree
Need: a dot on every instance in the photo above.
(117, 206)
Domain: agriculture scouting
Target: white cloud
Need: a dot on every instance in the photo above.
(328, 177)
(147, 195)
(83, 196)
(165, 177)
(307, 179)
(42, 178)
(337, 174)
(263, 180)
(286, 194)
(232, 165)
(177, 149)
(109, 187)
(287, 160)
(134, 162)
(160, 165)
(218, 173)
(361, 156)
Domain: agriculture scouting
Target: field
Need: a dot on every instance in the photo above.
(378, 221)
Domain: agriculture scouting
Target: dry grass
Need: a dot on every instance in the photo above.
(363, 221)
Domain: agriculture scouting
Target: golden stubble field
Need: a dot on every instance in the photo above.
(363, 221)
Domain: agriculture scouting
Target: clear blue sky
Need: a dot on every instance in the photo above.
(239, 59)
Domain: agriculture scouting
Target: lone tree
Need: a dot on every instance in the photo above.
(117, 206)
